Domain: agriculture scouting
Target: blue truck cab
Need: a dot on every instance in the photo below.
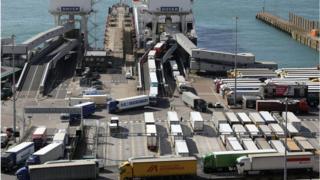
(7, 161)
(113, 106)
(23, 174)
(33, 159)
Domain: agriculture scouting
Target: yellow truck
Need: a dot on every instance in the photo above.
(144, 167)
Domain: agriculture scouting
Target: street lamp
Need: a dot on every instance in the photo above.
(14, 89)
(235, 63)
(286, 101)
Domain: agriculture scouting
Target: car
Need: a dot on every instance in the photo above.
(98, 87)
(6, 93)
(217, 105)
(64, 116)
(210, 105)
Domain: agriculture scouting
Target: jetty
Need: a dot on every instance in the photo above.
(301, 29)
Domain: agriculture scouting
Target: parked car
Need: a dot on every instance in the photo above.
(218, 105)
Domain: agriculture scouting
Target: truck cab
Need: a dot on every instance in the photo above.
(33, 160)
(114, 124)
(113, 106)
(125, 170)
(7, 161)
(23, 174)
(243, 163)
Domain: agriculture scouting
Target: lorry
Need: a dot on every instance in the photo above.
(224, 131)
(61, 137)
(290, 145)
(194, 101)
(266, 132)
(176, 132)
(61, 169)
(50, 152)
(219, 118)
(244, 118)
(267, 117)
(149, 118)
(248, 144)
(239, 131)
(181, 148)
(172, 118)
(262, 143)
(256, 118)
(162, 166)
(277, 130)
(274, 161)
(152, 138)
(304, 144)
(114, 124)
(291, 118)
(196, 121)
(88, 108)
(39, 137)
(277, 105)
(232, 144)
(118, 105)
(277, 145)
(98, 99)
(291, 130)
(252, 130)
(223, 160)
(232, 118)
(16, 156)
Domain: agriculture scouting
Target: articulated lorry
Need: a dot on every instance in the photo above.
(16, 156)
(274, 162)
(50, 152)
(158, 167)
(194, 101)
(118, 105)
(223, 160)
(62, 169)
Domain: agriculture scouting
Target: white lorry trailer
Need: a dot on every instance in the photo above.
(292, 119)
(304, 144)
(224, 132)
(176, 132)
(149, 118)
(50, 152)
(240, 131)
(267, 117)
(181, 148)
(277, 145)
(256, 118)
(232, 144)
(16, 156)
(291, 130)
(196, 121)
(244, 118)
(262, 143)
(274, 161)
(219, 118)
(172, 118)
(62, 169)
(128, 103)
(252, 130)
(60, 137)
(98, 99)
(194, 101)
(152, 138)
(232, 118)
(248, 144)
(266, 132)
(277, 130)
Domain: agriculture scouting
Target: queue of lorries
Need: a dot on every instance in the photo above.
(254, 143)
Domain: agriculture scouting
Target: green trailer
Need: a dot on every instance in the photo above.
(221, 160)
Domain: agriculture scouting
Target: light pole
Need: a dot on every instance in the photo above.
(14, 89)
(235, 64)
(285, 142)
(264, 4)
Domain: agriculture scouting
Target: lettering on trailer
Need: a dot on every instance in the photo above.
(169, 9)
(155, 168)
(70, 8)
(52, 110)
(281, 90)
(133, 102)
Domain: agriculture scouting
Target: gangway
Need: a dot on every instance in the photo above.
(185, 43)
(36, 40)
(167, 55)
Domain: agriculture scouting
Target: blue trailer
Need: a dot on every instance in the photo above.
(88, 108)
